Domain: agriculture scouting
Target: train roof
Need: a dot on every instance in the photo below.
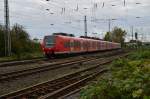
(87, 37)
(64, 34)
(82, 37)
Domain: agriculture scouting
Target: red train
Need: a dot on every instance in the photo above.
(60, 44)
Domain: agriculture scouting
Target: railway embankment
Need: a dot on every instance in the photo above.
(129, 78)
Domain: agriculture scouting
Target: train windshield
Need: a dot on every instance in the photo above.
(49, 41)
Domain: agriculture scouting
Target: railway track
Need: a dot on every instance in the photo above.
(23, 62)
(61, 86)
(13, 63)
(42, 68)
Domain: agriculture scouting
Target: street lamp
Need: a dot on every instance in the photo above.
(47, 9)
(137, 3)
(138, 17)
(113, 5)
(85, 8)
(52, 24)
(51, 13)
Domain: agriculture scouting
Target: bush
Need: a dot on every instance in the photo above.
(130, 79)
(21, 42)
(140, 54)
(2, 43)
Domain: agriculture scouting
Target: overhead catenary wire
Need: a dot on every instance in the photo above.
(29, 16)
(70, 12)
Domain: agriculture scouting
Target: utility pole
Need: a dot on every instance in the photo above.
(85, 26)
(7, 29)
(109, 22)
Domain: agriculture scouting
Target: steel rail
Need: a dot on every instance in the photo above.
(24, 92)
(58, 93)
(13, 63)
(50, 86)
(43, 68)
(5, 76)
(23, 62)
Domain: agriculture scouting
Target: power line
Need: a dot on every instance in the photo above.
(57, 3)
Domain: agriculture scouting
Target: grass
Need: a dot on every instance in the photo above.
(140, 54)
(23, 56)
(130, 79)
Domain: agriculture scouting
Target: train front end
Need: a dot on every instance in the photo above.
(48, 46)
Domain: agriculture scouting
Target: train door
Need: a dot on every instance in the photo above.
(102, 45)
(88, 44)
(71, 45)
(97, 45)
(81, 46)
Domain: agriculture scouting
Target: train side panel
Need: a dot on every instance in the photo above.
(62, 45)
(65, 44)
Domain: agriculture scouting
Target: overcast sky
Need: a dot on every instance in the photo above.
(41, 17)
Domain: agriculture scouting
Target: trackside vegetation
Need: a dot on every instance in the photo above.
(116, 35)
(129, 78)
(22, 46)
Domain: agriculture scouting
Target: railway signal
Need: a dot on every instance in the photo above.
(136, 35)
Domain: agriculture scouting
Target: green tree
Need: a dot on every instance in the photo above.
(2, 42)
(20, 40)
(116, 35)
(108, 36)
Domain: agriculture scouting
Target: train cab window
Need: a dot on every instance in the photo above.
(49, 41)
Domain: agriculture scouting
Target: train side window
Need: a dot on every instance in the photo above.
(75, 44)
(88, 44)
(78, 44)
(66, 44)
(93, 44)
(72, 44)
(84, 45)
(99, 45)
